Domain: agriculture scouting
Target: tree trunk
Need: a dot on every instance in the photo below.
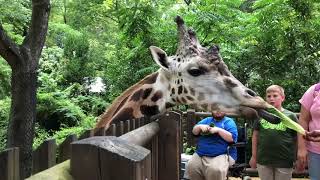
(23, 61)
(22, 115)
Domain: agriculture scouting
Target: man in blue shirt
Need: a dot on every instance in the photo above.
(211, 162)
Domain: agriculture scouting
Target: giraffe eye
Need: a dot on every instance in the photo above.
(196, 72)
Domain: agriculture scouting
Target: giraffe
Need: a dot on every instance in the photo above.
(195, 75)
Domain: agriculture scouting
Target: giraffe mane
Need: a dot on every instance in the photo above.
(105, 118)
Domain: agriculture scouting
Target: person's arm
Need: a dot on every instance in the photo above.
(304, 119)
(200, 128)
(313, 136)
(224, 134)
(254, 147)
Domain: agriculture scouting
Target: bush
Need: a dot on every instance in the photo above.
(4, 121)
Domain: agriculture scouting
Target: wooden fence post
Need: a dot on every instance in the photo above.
(109, 158)
(191, 122)
(45, 156)
(169, 146)
(9, 164)
(65, 148)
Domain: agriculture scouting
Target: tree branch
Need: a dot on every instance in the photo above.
(8, 49)
(36, 36)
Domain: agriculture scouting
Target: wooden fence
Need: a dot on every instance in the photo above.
(139, 149)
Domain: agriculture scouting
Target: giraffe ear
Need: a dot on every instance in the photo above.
(160, 56)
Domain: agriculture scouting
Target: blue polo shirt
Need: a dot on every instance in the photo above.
(214, 145)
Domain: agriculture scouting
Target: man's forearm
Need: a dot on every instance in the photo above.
(226, 135)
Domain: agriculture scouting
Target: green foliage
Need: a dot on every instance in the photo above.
(55, 110)
(40, 135)
(190, 150)
(4, 117)
(5, 74)
(15, 16)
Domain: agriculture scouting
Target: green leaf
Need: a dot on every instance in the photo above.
(287, 121)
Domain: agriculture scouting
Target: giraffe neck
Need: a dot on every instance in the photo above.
(148, 97)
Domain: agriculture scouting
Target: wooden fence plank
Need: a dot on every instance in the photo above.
(44, 156)
(100, 132)
(65, 148)
(104, 156)
(169, 146)
(191, 122)
(126, 126)
(111, 131)
(9, 164)
(154, 158)
(87, 133)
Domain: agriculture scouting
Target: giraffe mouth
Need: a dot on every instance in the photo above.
(257, 113)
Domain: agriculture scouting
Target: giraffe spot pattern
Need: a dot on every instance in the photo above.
(125, 114)
(158, 95)
(136, 95)
(190, 98)
(229, 84)
(183, 100)
(146, 93)
(180, 89)
(173, 91)
(149, 110)
(169, 105)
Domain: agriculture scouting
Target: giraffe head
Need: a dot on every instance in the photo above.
(198, 76)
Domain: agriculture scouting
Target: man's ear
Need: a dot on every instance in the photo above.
(160, 56)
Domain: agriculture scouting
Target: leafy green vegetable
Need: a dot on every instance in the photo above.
(287, 121)
(211, 124)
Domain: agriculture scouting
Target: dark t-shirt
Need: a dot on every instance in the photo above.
(276, 143)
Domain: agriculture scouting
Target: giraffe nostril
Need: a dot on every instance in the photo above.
(251, 93)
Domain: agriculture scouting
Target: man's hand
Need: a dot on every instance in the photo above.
(313, 136)
(214, 130)
(204, 128)
(253, 162)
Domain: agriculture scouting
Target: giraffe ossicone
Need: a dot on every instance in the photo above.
(195, 76)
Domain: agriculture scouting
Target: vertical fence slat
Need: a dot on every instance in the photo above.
(44, 156)
(9, 164)
(65, 148)
(121, 128)
(87, 133)
(154, 158)
(113, 129)
(126, 126)
(118, 130)
(142, 121)
(169, 146)
(191, 121)
(100, 132)
(132, 125)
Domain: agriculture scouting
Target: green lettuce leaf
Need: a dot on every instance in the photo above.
(289, 123)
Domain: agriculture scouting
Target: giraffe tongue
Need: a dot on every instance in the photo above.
(257, 113)
(268, 116)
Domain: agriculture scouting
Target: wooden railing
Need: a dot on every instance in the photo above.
(138, 149)
(155, 145)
